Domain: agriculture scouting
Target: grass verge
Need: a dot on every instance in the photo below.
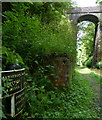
(96, 77)
(77, 103)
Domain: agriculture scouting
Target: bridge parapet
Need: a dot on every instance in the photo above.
(86, 10)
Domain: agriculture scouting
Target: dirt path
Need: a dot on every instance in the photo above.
(97, 71)
(96, 87)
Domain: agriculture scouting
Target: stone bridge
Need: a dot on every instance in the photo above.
(92, 14)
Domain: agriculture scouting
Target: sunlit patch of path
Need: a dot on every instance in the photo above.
(85, 71)
(96, 86)
(97, 71)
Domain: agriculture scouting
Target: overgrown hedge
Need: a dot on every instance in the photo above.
(29, 36)
(33, 30)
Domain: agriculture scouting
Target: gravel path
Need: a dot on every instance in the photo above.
(96, 87)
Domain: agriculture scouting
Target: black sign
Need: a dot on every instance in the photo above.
(13, 84)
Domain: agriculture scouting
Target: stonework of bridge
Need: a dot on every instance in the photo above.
(92, 14)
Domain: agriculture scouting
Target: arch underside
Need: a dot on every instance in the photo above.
(88, 17)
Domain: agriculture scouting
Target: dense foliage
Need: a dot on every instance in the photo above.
(32, 31)
(35, 32)
(88, 62)
(99, 2)
(9, 57)
(54, 104)
(85, 42)
(99, 65)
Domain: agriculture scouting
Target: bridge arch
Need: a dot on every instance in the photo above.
(91, 18)
(92, 14)
(88, 17)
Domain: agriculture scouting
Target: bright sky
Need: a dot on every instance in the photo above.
(85, 3)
